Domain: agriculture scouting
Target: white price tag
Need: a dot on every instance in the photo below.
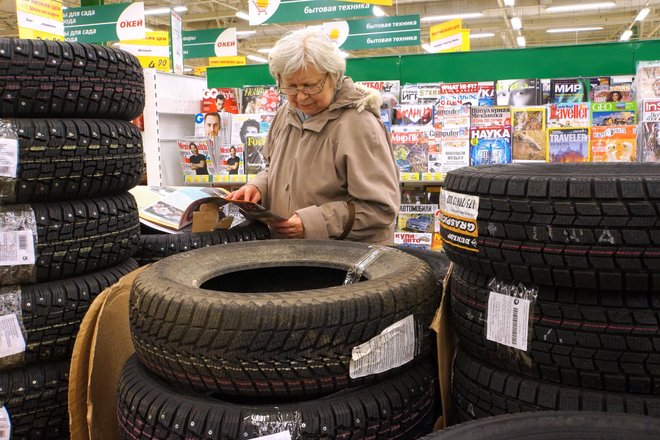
(393, 347)
(461, 205)
(5, 424)
(8, 157)
(284, 435)
(508, 320)
(16, 248)
(11, 337)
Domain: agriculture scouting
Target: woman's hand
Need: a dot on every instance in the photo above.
(292, 228)
(248, 193)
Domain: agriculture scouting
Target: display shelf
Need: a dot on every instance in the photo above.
(216, 178)
(171, 102)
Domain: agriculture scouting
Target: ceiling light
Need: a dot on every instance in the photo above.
(242, 15)
(482, 35)
(575, 29)
(452, 16)
(180, 9)
(509, 2)
(157, 11)
(265, 50)
(521, 41)
(625, 36)
(516, 23)
(580, 7)
(642, 14)
(257, 59)
(244, 33)
(427, 47)
(378, 11)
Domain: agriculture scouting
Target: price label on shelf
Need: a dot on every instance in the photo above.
(410, 177)
(433, 177)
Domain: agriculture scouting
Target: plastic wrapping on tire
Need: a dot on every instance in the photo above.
(17, 219)
(519, 292)
(259, 425)
(8, 167)
(11, 303)
(355, 272)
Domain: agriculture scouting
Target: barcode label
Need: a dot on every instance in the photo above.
(507, 322)
(8, 157)
(5, 424)
(16, 248)
(284, 435)
(393, 347)
(11, 337)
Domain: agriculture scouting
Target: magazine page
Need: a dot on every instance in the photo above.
(490, 116)
(460, 93)
(451, 116)
(195, 156)
(416, 218)
(619, 92)
(214, 125)
(529, 136)
(421, 93)
(255, 161)
(614, 144)
(518, 92)
(455, 148)
(244, 125)
(220, 100)
(418, 240)
(649, 131)
(413, 114)
(230, 159)
(647, 80)
(411, 146)
(569, 90)
(256, 211)
(569, 115)
(490, 145)
(568, 144)
(613, 113)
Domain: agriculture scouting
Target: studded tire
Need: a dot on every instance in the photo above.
(44, 78)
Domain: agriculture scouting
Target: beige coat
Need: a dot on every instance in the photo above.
(340, 155)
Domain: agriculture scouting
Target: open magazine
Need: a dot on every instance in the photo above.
(170, 209)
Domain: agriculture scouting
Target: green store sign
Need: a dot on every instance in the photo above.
(375, 32)
(209, 43)
(285, 11)
(100, 24)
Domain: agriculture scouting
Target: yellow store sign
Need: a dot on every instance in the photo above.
(450, 37)
(227, 61)
(153, 51)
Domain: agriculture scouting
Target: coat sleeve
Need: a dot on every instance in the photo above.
(366, 160)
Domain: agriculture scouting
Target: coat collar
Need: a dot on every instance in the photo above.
(350, 95)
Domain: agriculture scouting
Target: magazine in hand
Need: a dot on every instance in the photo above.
(170, 209)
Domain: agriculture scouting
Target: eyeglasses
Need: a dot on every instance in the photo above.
(307, 90)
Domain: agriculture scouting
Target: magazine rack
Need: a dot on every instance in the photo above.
(171, 103)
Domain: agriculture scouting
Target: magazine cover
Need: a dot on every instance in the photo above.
(230, 159)
(195, 156)
(462, 93)
(529, 136)
(416, 218)
(260, 99)
(490, 145)
(619, 92)
(568, 144)
(569, 90)
(255, 161)
(243, 125)
(486, 93)
(214, 125)
(490, 116)
(455, 148)
(413, 114)
(518, 92)
(569, 115)
(411, 147)
(451, 116)
(613, 113)
(647, 80)
(220, 100)
(649, 139)
(389, 91)
(614, 144)
(421, 93)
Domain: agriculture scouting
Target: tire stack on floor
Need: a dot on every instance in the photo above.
(68, 226)
(261, 339)
(581, 243)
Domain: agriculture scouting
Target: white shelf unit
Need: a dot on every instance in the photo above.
(171, 103)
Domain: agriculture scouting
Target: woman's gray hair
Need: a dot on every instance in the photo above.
(304, 48)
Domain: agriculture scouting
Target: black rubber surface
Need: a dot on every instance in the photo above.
(480, 390)
(78, 237)
(36, 401)
(272, 318)
(602, 340)
(437, 261)
(574, 225)
(554, 425)
(52, 312)
(44, 78)
(155, 245)
(397, 408)
(61, 159)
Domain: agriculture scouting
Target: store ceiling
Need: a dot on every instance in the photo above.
(203, 14)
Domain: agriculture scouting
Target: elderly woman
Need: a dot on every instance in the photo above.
(331, 170)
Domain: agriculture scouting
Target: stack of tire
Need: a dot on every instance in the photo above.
(581, 242)
(261, 339)
(68, 226)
